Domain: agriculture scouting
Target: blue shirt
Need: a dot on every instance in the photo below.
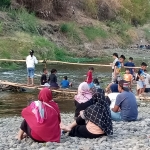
(127, 103)
(130, 64)
(65, 84)
(118, 64)
(141, 73)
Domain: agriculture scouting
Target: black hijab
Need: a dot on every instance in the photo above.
(99, 114)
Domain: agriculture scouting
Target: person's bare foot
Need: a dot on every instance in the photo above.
(65, 128)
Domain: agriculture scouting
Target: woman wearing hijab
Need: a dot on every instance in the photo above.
(125, 108)
(93, 122)
(41, 119)
(82, 99)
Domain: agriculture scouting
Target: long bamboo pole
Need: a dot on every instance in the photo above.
(61, 62)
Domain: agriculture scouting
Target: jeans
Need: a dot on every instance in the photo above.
(116, 116)
(30, 72)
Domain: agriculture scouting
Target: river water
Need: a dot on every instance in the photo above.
(11, 103)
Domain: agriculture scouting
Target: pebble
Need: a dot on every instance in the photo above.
(127, 136)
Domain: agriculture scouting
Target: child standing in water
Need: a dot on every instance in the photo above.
(30, 62)
(128, 77)
(115, 56)
(89, 78)
(141, 76)
(118, 66)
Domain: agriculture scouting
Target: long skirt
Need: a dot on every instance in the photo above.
(81, 131)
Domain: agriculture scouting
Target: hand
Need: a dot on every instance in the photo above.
(81, 112)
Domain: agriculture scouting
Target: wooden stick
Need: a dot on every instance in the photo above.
(61, 62)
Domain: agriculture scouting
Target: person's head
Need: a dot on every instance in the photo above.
(45, 71)
(114, 88)
(91, 69)
(143, 66)
(45, 95)
(83, 88)
(127, 71)
(65, 77)
(122, 58)
(115, 55)
(95, 81)
(53, 71)
(130, 59)
(31, 52)
(123, 86)
(98, 96)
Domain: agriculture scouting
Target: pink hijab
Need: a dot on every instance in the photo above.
(84, 93)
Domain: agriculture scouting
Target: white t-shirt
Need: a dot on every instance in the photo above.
(31, 61)
(114, 62)
(147, 80)
(112, 97)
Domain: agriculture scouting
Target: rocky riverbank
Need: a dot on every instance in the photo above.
(127, 136)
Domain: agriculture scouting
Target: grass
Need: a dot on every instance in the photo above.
(94, 32)
(5, 3)
(9, 65)
(22, 20)
(1, 27)
(71, 30)
(147, 33)
(120, 28)
(136, 11)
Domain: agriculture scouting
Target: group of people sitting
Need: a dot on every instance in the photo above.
(93, 114)
(52, 80)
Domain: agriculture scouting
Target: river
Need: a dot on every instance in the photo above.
(11, 103)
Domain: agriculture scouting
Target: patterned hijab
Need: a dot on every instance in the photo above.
(99, 114)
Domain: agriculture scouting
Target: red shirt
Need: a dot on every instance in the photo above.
(89, 77)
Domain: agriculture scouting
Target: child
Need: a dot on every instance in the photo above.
(115, 56)
(130, 64)
(53, 79)
(65, 83)
(141, 79)
(96, 83)
(117, 68)
(128, 77)
(89, 79)
(147, 82)
(44, 76)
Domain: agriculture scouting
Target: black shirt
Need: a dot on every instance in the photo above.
(43, 79)
(52, 78)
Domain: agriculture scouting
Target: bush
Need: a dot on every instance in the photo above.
(70, 29)
(94, 32)
(120, 28)
(5, 3)
(136, 11)
(147, 33)
(24, 21)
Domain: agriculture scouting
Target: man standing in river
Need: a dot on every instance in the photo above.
(30, 62)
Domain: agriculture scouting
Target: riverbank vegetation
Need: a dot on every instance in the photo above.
(80, 34)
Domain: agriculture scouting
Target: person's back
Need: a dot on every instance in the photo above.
(128, 106)
(65, 84)
(130, 64)
(43, 79)
(52, 78)
(31, 61)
